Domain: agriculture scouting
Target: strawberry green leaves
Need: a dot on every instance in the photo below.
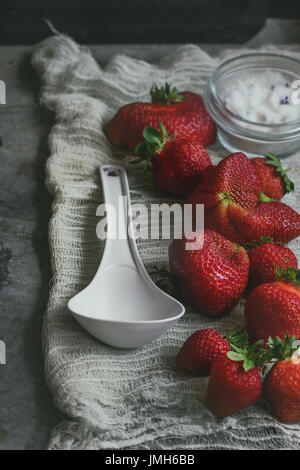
(237, 337)
(251, 356)
(272, 160)
(266, 240)
(149, 147)
(263, 240)
(282, 349)
(291, 275)
(152, 136)
(257, 354)
(165, 94)
(154, 142)
(264, 198)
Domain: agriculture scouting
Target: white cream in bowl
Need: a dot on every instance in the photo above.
(263, 97)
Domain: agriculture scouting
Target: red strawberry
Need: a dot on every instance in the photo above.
(265, 258)
(212, 277)
(274, 309)
(282, 383)
(178, 163)
(234, 384)
(235, 208)
(271, 219)
(200, 350)
(272, 178)
(183, 113)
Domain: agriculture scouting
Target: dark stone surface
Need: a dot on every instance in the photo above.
(142, 21)
(27, 413)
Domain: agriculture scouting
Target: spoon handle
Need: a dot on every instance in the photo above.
(120, 245)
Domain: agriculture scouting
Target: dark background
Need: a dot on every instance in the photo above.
(141, 21)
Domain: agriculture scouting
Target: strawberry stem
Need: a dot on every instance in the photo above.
(165, 94)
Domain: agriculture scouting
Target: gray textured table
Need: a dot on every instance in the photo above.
(27, 413)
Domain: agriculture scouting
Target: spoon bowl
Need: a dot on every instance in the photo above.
(122, 306)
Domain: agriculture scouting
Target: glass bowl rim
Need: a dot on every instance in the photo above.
(225, 110)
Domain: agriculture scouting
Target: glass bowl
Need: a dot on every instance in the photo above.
(238, 134)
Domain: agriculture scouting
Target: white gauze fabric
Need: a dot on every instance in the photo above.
(125, 399)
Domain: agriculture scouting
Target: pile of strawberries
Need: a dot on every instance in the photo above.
(242, 249)
(234, 366)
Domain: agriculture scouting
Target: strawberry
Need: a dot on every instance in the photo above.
(178, 163)
(282, 383)
(235, 380)
(263, 261)
(183, 113)
(200, 350)
(272, 178)
(212, 277)
(236, 208)
(273, 309)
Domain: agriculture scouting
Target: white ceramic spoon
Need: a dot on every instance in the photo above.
(122, 306)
